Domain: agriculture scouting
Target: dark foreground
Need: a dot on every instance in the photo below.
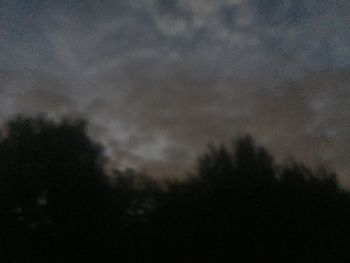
(57, 205)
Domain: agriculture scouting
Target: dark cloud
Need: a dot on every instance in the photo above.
(161, 79)
(277, 11)
(175, 116)
(72, 35)
(32, 91)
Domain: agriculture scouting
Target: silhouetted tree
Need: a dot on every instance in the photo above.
(57, 205)
(241, 205)
(53, 190)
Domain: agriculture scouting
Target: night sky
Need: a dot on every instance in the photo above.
(160, 79)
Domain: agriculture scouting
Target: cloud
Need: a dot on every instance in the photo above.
(76, 38)
(167, 121)
(167, 77)
(178, 115)
(33, 92)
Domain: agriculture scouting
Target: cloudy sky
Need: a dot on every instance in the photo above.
(160, 79)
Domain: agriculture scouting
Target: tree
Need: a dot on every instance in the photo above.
(240, 204)
(56, 204)
(53, 190)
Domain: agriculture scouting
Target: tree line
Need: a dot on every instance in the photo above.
(58, 205)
